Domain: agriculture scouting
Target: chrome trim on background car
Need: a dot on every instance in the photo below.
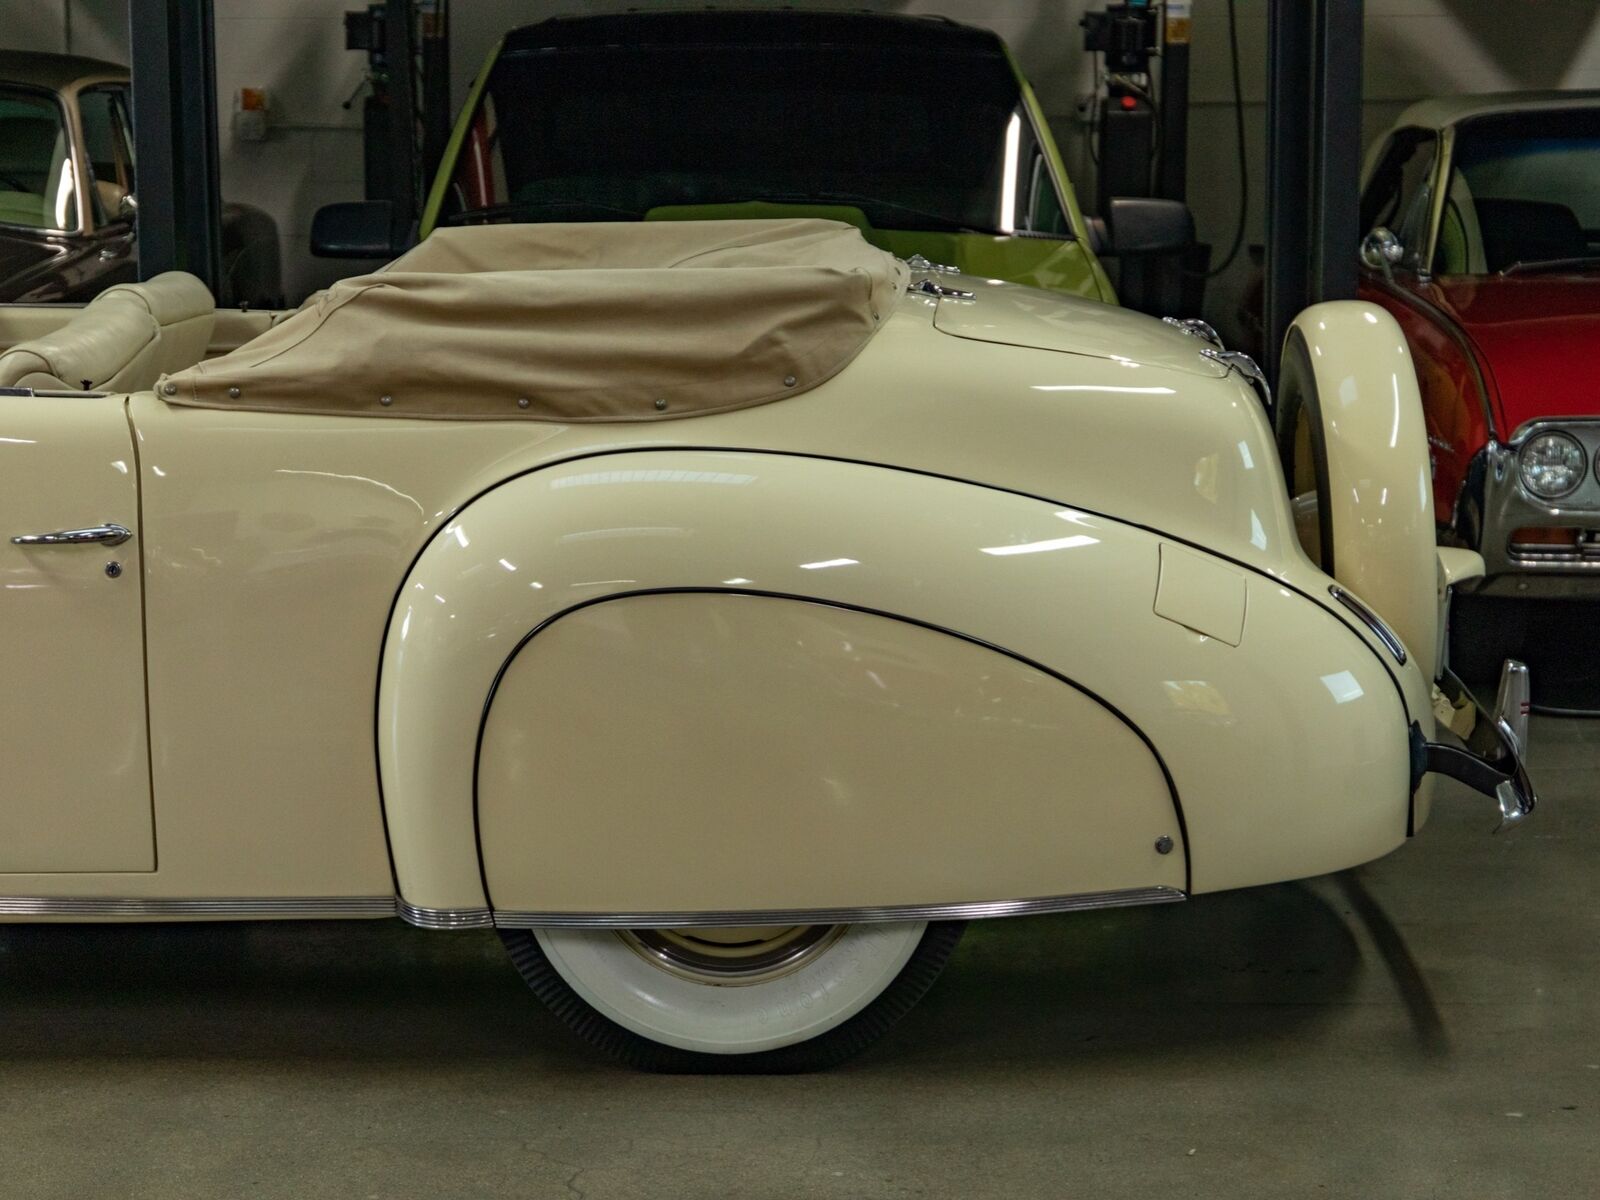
(1509, 506)
(233, 908)
(962, 911)
(444, 918)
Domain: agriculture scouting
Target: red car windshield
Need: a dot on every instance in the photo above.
(1530, 183)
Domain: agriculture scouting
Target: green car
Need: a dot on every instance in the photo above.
(919, 131)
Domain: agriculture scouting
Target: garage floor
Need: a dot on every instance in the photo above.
(1426, 1026)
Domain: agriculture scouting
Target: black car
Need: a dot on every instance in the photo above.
(66, 177)
(67, 207)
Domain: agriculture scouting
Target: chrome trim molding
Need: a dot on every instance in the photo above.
(230, 907)
(1246, 367)
(1488, 758)
(927, 287)
(1372, 621)
(1195, 327)
(971, 910)
(444, 918)
(109, 534)
(921, 262)
(22, 391)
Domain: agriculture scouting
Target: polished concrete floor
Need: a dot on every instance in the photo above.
(1427, 1026)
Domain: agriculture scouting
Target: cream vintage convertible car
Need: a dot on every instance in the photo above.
(723, 611)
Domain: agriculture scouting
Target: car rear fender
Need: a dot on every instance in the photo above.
(645, 682)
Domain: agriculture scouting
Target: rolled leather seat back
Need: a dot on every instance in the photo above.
(182, 307)
(122, 341)
(109, 348)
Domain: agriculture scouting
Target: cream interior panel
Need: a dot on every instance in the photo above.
(76, 790)
(234, 327)
(765, 753)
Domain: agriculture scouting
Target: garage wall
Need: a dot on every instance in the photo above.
(294, 49)
(94, 28)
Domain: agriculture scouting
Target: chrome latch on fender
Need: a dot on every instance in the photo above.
(928, 287)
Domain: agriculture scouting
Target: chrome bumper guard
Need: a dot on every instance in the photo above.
(1487, 754)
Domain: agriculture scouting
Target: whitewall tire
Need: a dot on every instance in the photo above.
(782, 998)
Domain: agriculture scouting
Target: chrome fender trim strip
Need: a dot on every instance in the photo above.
(445, 918)
(962, 911)
(222, 907)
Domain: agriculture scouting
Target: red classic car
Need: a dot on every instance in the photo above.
(1483, 215)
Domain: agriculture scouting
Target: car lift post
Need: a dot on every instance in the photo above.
(1313, 159)
(175, 138)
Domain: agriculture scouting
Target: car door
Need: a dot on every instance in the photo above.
(76, 792)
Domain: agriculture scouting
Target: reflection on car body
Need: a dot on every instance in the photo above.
(711, 610)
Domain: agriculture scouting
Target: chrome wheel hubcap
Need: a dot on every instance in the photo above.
(732, 956)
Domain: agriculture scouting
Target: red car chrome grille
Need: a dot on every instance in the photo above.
(1571, 547)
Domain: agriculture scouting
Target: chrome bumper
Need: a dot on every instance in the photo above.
(1507, 507)
(1486, 753)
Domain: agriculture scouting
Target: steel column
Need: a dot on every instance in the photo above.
(175, 137)
(1336, 109)
(400, 50)
(1313, 159)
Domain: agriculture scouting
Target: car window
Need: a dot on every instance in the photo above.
(1045, 212)
(36, 180)
(1399, 195)
(1534, 182)
(107, 143)
(612, 132)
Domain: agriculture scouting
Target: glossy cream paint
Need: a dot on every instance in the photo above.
(76, 791)
(1069, 591)
(274, 549)
(769, 752)
(1380, 490)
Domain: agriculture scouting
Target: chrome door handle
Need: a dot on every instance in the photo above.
(101, 535)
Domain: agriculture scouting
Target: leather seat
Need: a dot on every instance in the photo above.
(109, 348)
(122, 341)
(181, 305)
